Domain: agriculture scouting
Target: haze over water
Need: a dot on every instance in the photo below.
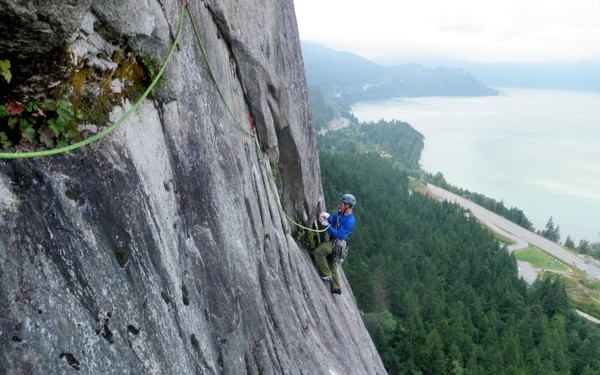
(537, 150)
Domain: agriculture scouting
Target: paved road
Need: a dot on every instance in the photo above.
(589, 317)
(522, 238)
(527, 271)
(520, 235)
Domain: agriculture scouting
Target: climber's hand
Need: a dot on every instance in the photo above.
(323, 216)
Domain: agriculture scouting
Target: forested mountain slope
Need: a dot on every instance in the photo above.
(350, 78)
(439, 294)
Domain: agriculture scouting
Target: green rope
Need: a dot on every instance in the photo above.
(220, 92)
(15, 155)
(271, 184)
(144, 96)
(301, 226)
(213, 75)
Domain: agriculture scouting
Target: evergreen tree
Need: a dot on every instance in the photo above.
(584, 247)
(550, 232)
(569, 243)
(438, 292)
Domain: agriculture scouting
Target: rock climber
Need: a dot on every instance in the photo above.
(339, 226)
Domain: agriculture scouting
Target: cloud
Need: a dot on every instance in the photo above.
(508, 31)
(463, 29)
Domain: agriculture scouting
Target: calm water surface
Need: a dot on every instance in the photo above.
(538, 150)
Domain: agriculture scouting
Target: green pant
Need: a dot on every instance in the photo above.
(326, 263)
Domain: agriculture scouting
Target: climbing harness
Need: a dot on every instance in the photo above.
(339, 246)
(340, 250)
(184, 8)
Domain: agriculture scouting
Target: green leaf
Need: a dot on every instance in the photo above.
(73, 133)
(56, 126)
(64, 114)
(4, 65)
(4, 142)
(27, 131)
(5, 70)
(51, 106)
(12, 121)
(46, 136)
(64, 110)
(3, 111)
(32, 105)
(62, 142)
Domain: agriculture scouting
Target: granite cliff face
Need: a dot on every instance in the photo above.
(161, 248)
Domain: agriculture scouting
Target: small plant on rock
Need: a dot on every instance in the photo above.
(5, 70)
(51, 123)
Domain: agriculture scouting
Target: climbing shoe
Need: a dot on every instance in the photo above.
(326, 278)
(336, 291)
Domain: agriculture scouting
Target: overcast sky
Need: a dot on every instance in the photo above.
(464, 30)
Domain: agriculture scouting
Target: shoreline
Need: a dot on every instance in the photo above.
(525, 149)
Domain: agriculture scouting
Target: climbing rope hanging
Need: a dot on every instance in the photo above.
(237, 123)
(105, 132)
(212, 73)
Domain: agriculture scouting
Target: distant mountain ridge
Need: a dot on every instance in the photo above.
(352, 78)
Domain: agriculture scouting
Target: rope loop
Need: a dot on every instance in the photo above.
(87, 141)
(105, 132)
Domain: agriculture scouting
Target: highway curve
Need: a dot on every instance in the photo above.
(522, 237)
(518, 234)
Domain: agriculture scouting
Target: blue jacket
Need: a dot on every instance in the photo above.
(346, 224)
